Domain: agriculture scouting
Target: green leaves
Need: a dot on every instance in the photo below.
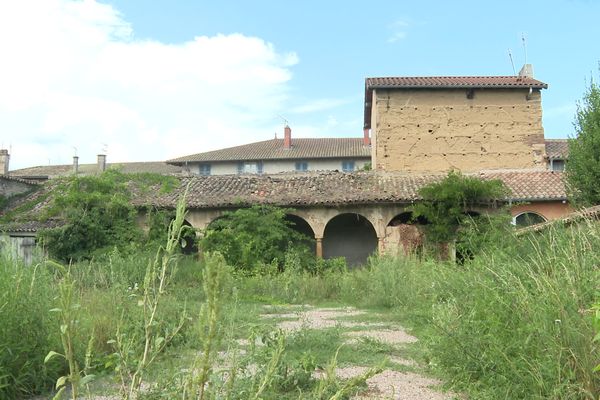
(51, 355)
(250, 238)
(583, 168)
(446, 204)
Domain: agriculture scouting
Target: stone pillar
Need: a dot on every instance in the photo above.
(319, 252)
(380, 245)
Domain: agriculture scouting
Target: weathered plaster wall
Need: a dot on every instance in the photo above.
(9, 187)
(437, 130)
(548, 209)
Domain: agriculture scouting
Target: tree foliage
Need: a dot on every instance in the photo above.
(253, 237)
(446, 204)
(583, 168)
(97, 214)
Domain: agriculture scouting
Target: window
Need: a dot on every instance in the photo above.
(204, 169)
(528, 218)
(302, 166)
(557, 165)
(250, 167)
(347, 166)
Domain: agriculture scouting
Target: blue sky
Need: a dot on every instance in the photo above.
(155, 80)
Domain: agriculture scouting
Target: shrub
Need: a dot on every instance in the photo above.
(251, 238)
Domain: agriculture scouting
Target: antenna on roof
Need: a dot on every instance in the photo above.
(524, 46)
(285, 121)
(75, 151)
(512, 62)
(104, 148)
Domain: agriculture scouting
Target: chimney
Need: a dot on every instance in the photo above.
(101, 162)
(287, 137)
(366, 137)
(75, 165)
(4, 159)
(526, 71)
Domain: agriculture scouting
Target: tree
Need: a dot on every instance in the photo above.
(583, 167)
(255, 236)
(446, 204)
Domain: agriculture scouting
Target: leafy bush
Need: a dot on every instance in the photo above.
(250, 238)
(97, 214)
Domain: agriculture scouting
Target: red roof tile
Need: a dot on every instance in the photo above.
(454, 82)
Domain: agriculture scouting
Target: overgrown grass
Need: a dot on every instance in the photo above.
(513, 323)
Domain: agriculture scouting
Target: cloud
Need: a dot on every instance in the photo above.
(566, 110)
(320, 105)
(73, 74)
(398, 31)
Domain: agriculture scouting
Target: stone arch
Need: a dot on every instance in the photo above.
(188, 239)
(404, 235)
(302, 226)
(527, 218)
(349, 235)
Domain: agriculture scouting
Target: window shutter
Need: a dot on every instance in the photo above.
(259, 167)
(240, 167)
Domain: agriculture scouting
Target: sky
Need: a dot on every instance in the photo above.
(146, 80)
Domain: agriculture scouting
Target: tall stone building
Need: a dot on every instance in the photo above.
(474, 123)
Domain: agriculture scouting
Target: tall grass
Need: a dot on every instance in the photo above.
(27, 331)
(514, 323)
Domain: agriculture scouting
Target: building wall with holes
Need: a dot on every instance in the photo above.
(423, 130)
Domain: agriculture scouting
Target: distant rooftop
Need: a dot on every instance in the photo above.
(317, 148)
(557, 148)
(43, 172)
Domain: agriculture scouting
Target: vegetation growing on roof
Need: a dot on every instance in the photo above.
(98, 213)
(583, 168)
(447, 204)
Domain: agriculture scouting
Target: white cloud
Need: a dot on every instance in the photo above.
(74, 75)
(398, 30)
(320, 105)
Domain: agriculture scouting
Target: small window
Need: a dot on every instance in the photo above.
(557, 165)
(528, 218)
(347, 166)
(204, 169)
(302, 166)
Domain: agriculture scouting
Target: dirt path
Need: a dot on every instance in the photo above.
(389, 384)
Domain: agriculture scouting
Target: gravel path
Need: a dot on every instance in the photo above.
(388, 384)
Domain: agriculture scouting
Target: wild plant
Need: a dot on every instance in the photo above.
(68, 314)
(134, 361)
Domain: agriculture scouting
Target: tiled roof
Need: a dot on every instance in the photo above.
(444, 82)
(454, 82)
(273, 150)
(53, 171)
(17, 179)
(30, 226)
(338, 188)
(557, 148)
(531, 185)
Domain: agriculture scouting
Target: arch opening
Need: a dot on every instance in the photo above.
(302, 226)
(188, 239)
(403, 234)
(351, 236)
(528, 218)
